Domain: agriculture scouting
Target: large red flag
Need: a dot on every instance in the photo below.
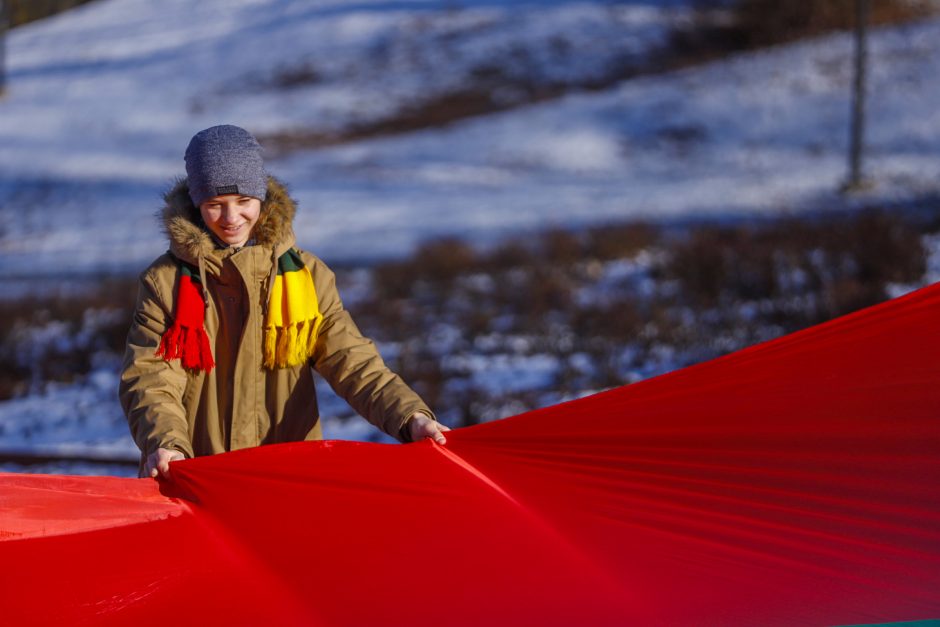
(792, 483)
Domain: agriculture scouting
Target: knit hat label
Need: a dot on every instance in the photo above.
(228, 189)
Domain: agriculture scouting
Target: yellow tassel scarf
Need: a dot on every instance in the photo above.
(293, 321)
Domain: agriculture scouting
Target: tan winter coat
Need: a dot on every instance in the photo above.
(240, 404)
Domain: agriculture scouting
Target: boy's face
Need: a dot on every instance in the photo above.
(231, 217)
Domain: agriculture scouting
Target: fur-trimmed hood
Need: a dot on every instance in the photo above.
(190, 240)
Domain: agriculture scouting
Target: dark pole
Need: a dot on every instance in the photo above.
(855, 181)
(3, 46)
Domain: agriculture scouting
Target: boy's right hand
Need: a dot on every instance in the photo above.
(159, 462)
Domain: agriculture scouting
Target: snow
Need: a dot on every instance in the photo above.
(755, 140)
(503, 373)
(112, 91)
(68, 419)
(632, 273)
(102, 100)
(84, 419)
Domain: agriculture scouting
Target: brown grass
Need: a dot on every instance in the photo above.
(525, 297)
(767, 22)
(795, 273)
(847, 262)
(761, 23)
(24, 11)
(433, 112)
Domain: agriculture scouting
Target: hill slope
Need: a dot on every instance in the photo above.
(103, 100)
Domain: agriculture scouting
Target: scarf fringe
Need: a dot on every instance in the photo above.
(269, 347)
(189, 345)
(290, 346)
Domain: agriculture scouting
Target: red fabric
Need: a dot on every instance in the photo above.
(187, 340)
(792, 483)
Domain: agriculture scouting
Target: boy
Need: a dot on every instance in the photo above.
(230, 320)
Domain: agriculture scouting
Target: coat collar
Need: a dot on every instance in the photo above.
(190, 241)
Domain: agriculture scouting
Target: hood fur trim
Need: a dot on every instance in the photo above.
(190, 240)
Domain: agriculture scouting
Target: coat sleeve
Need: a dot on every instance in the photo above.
(151, 389)
(352, 366)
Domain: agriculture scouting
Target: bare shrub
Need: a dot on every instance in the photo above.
(291, 76)
(717, 28)
(618, 241)
(435, 111)
(559, 246)
(700, 265)
(766, 22)
(445, 260)
(619, 321)
(846, 295)
(56, 337)
(510, 254)
(14, 378)
(25, 11)
(564, 297)
(721, 265)
(435, 262)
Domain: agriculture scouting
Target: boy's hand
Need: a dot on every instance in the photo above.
(422, 426)
(159, 461)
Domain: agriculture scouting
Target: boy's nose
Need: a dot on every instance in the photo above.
(228, 213)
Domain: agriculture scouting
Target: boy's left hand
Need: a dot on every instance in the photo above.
(422, 426)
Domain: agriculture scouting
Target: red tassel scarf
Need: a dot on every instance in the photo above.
(187, 340)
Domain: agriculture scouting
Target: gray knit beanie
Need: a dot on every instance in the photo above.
(225, 159)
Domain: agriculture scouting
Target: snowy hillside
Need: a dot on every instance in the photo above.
(103, 99)
(764, 133)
